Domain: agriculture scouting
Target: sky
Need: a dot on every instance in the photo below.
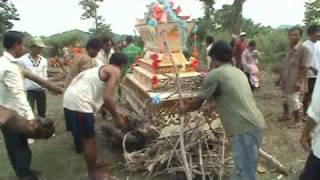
(47, 17)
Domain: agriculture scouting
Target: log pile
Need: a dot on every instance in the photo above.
(203, 151)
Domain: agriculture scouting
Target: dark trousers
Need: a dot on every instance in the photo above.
(38, 97)
(19, 153)
(312, 169)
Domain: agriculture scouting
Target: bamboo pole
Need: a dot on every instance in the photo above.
(182, 125)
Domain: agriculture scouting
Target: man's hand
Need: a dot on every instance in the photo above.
(306, 142)
(122, 121)
(314, 70)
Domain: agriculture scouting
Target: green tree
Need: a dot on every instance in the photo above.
(234, 20)
(312, 14)
(208, 18)
(8, 13)
(90, 8)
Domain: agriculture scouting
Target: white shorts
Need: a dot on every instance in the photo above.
(294, 101)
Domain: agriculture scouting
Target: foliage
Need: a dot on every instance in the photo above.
(8, 12)
(90, 8)
(312, 14)
(58, 41)
(209, 11)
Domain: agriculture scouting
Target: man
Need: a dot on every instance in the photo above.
(38, 65)
(249, 64)
(209, 44)
(86, 60)
(313, 45)
(87, 93)
(239, 47)
(132, 52)
(243, 122)
(310, 138)
(293, 80)
(106, 51)
(13, 97)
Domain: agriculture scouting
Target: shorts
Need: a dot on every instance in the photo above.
(293, 100)
(81, 125)
(312, 169)
(245, 149)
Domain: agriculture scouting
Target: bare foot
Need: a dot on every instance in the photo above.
(294, 125)
(101, 163)
(283, 118)
(101, 175)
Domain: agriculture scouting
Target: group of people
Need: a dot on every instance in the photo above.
(228, 86)
(89, 86)
(245, 57)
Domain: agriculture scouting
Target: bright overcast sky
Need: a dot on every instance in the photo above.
(47, 17)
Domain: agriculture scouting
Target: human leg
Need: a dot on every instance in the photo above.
(41, 101)
(245, 148)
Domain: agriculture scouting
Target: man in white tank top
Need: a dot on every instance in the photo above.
(86, 94)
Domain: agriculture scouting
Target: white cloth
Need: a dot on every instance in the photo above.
(314, 113)
(102, 56)
(294, 101)
(314, 49)
(38, 67)
(12, 93)
(85, 92)
(208, 56)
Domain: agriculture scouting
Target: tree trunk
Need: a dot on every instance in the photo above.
(236, 16)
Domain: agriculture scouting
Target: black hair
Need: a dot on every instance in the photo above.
(12, 38)
(106, 39)
(129, 39)
(118, 59)
(252, 43)
(313, 29)
(94, 43)
(221, 51)
(209, 39)
(296, 28)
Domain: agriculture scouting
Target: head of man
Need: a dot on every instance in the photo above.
(119, 60)
(243, 36)
(209, 40)
(221, 53)
(129, 40)
(294, 35)
(93, 47)
(107, 44)
(13, 43)
(252, 45)
(314, 32)
(37, 47)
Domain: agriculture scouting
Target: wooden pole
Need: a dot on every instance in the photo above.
(42, 82)
(182, 124)
(280, 167)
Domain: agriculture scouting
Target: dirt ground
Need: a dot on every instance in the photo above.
(57, 161)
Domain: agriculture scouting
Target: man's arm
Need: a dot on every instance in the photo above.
(45, 69)
(13, 80)
(108, 94)
(303, 68)
(191, 106)
(74, 70)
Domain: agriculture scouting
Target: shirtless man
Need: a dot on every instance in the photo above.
(86, 94)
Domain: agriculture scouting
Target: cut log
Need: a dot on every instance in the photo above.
(42, 82)
(280, 167)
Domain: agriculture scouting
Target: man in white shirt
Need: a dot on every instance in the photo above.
(13, 97)
(310, 138)
(313, 45)
(38, 65)
(106, 51)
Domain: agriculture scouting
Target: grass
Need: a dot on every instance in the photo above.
(57, 161)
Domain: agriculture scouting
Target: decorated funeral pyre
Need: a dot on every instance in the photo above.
(158, 140)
